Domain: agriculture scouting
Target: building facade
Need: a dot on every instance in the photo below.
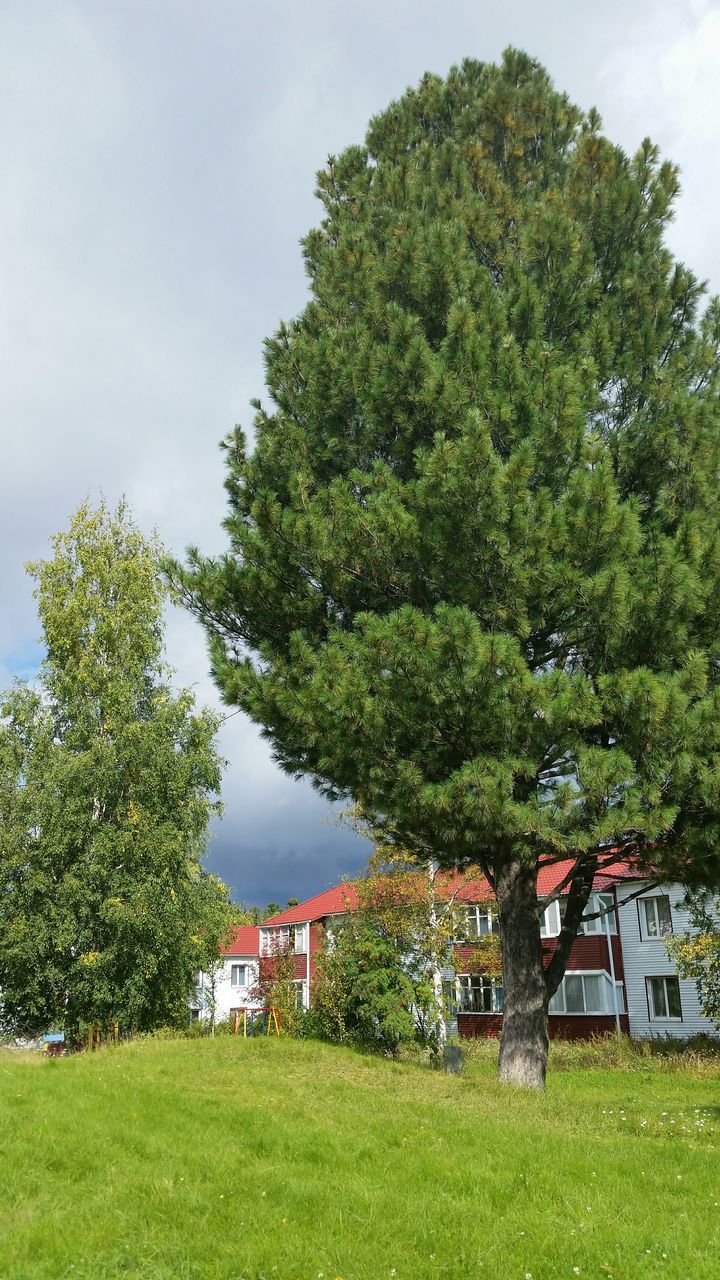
(619, 975)
(233, 986)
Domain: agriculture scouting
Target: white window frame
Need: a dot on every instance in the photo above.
(300, 932)
(239, 964)
(486, 984)
(665, 978)
(451, 997)
(643, 910)
(560, 997)
(477, 912)
(554, 914)
(274, 939)
(603, 924)
(550, 921)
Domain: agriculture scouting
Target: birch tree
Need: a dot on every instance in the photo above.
(108, 781)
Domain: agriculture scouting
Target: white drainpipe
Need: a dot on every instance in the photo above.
(611, 960)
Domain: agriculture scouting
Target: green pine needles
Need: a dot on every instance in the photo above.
(474, 557)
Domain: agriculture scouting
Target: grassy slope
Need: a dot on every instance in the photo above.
(279, 1159)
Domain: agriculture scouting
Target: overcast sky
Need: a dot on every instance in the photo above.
(157, 160)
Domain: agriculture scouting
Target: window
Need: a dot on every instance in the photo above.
(300, 939)
(663, 998)
(550, 921)
(584, 993)
(655, 918)
(299, 994)
(480, 994)
(238, 975)
(603, 924)
(480, 922)
(274, 940)
(194, 1014)
(450, 999)
(554, 915)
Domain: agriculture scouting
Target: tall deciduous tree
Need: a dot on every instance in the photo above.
(108, 780)
(697, 952)
(474, 564)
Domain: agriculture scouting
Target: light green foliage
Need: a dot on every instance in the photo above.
(418, 908)
(473, 576)
(276, 990)
(107, 785)
(363, 992)
(223, 1159)
(697, 953)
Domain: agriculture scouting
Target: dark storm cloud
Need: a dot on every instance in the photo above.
(158, 163)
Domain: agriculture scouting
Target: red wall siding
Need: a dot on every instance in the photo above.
(574, 1027)
(267, 966)
(317, 942)
(586, 953)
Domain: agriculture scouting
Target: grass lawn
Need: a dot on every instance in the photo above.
(276, 1159)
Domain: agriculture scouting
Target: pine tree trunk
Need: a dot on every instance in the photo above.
(524, 1037)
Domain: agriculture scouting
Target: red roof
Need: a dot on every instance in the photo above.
(344, 897)
(333, 902)
(243, 941)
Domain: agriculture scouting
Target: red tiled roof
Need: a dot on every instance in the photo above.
(344, 897)
(243, 941)
(333, 902)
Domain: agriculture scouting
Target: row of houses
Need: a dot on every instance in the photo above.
(619, 975)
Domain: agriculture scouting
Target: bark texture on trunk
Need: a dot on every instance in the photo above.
(524, 1036)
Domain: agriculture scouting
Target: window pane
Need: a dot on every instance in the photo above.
(672, 991)
(594, 1001)
(574, 994)
(658, 1004)
(590, 926)
(472, 923)
(498, 1000)
(483, 924)
(663, 915)
(557, 1004)
(549, 924)
(450, 999)
(605, 903)
(647, 907)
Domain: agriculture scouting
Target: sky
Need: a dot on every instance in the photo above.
(157, 162)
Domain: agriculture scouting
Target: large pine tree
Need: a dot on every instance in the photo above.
(474, 553)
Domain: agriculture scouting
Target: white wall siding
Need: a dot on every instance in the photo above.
(648, 958)
(226, 996)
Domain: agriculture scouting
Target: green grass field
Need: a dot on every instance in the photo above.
(217, 1158)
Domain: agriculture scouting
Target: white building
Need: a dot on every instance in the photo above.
(233, 986)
